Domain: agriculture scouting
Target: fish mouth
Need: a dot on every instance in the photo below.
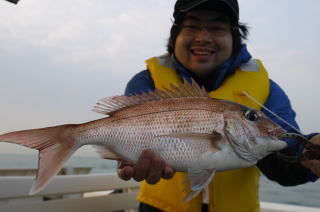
(278, 133)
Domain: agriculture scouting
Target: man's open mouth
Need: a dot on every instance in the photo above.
(202, 52)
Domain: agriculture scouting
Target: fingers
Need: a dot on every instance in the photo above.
(313, 165)
(315, 139)
(142, 166)
(125, 172)
(168, 172)
(155, 172)
(149, 167)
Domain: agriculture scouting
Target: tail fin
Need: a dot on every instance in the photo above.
(55, 145)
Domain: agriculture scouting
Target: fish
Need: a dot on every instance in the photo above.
(192, 132)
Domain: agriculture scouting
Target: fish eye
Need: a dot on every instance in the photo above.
(251, 115)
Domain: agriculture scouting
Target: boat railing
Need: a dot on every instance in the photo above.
(89, 192)
(32, 171)
(81, 193)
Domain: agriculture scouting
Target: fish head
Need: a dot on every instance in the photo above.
(249, 126)
(263, 125)
(250, 119)
(267, 134)
(250, 133)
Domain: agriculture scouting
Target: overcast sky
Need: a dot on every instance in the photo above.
(57, 58)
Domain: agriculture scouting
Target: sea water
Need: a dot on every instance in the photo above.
(305, 195)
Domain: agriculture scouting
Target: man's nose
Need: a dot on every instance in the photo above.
(203, 35)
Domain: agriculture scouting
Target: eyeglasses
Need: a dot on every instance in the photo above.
(191, 29)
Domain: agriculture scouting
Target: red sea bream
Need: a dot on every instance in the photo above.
(191, 131)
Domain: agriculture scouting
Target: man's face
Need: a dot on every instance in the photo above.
(204, 42)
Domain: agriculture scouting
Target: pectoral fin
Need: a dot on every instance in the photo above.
(107, 153)
(199, 179)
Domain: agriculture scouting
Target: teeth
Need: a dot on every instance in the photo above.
(201, 52)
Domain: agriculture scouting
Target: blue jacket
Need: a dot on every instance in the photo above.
(274, 168)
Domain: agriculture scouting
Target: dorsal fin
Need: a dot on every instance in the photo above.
(109, 105)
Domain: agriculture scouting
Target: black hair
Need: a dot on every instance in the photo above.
(239, 30)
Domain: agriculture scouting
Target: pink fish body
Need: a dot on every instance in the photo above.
(192, 132)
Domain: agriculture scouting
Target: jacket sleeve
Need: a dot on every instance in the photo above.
(274, 168)
(141, 82)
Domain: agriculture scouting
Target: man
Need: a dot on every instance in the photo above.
(206, 44)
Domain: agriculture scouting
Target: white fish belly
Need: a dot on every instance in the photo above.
(227, 159)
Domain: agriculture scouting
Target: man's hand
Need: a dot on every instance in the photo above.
(313, 165)
(149, 167)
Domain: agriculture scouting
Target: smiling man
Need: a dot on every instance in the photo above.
(204, 43)
(207, 44)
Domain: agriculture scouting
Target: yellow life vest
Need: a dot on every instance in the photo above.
(229, 191)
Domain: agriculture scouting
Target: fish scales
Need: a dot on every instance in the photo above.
(135, 129)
